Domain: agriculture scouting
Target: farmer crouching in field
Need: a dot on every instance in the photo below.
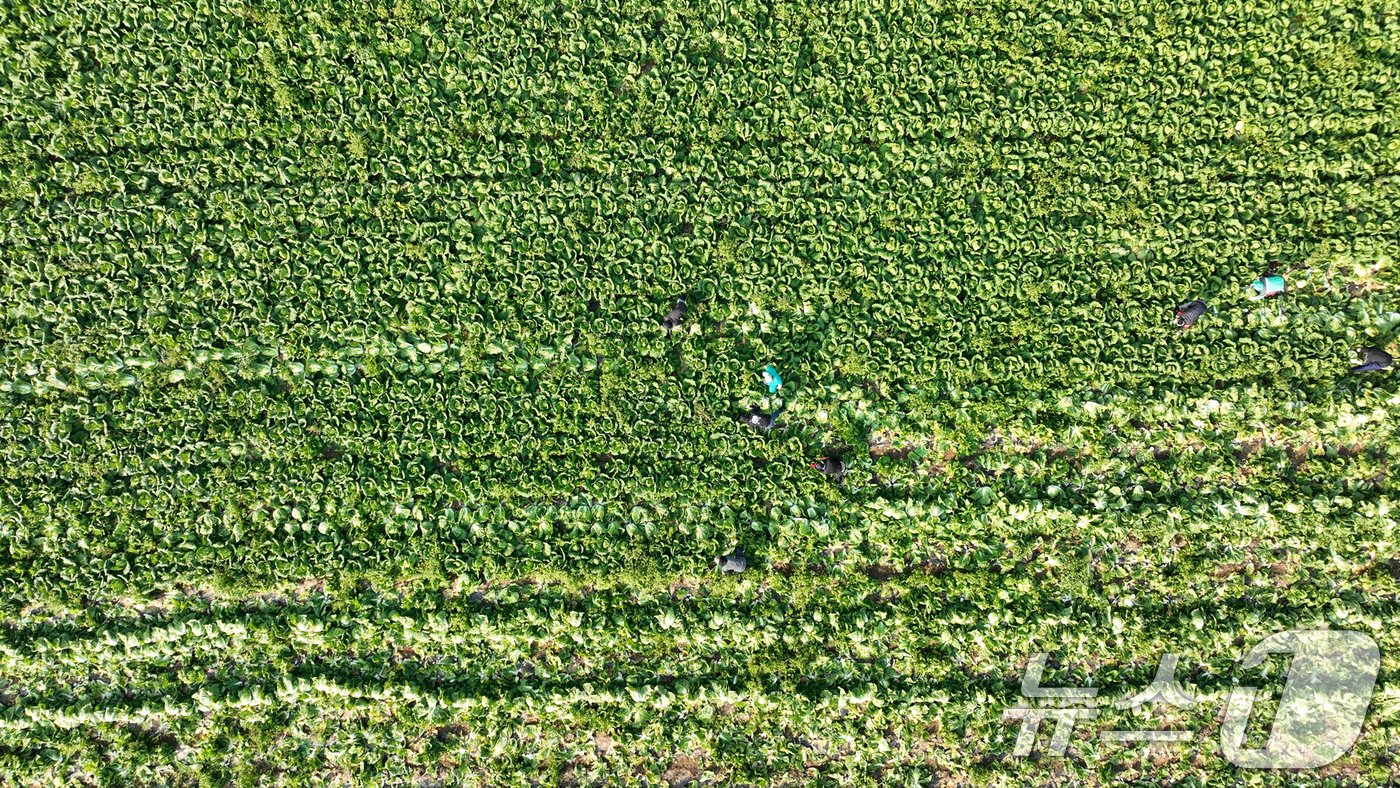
(759, 420)
(1188, 313)
(672, 320)
(733, 563)
(833, 468)
(1373, 359)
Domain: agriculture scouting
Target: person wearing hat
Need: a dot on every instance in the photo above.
(759, 420)
(1373, 359)
(831, 467)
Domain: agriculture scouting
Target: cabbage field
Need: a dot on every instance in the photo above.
(342, 442)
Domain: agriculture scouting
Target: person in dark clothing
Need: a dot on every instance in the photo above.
(675, 316)
(832, 467)
(1187, 314)
(761, 421)
(1372, 359)
(733, 563)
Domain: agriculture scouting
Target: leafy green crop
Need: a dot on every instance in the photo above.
(341, 441)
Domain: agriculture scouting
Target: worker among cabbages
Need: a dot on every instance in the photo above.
(733, 563)
(673, 318)
(1187, 314)
(832, 467)
(1373, 359)
(759, 420)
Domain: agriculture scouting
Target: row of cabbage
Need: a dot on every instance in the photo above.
(417, 669)
(306, 477)
(965, 251)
